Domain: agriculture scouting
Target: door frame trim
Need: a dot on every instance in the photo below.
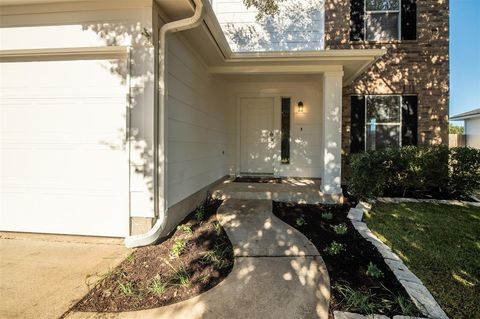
(276, 95)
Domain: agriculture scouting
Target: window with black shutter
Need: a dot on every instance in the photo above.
(383, 20)
(383, 121)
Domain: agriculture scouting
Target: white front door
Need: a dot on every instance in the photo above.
(257, 141)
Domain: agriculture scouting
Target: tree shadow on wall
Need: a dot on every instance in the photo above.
(408, 67)
(136, 137)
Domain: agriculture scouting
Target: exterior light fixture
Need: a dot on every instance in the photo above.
(300, 107)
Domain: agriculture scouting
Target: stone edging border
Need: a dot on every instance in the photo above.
(397, 200)
(412, 284)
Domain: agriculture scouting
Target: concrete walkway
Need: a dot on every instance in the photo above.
(42, 276)
(277, 273)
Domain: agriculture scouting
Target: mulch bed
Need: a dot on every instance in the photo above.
(261, 180)
(349, 266)
(129, 286)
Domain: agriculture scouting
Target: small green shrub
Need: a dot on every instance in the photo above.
(200, 213)
(126, 289)
(178, 247)
(187, 230)
(218, 257)
(366, 302)
(407, 307)
(334, 248)
(367, 177)
(360, 301)
(130, 258)
(218, 228)
(182, 276)
(300, 221)
(373, 271)
(340, 229)
(327, 216)
(157, 286)
(437, 169)
(464, 172)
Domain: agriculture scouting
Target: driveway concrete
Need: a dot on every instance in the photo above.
(42, 276)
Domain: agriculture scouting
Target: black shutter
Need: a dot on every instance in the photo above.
(409, 19)
(409, 120)
(356, 20)
(285, 145)
(357, 131)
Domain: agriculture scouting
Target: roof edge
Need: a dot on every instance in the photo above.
(466, 115)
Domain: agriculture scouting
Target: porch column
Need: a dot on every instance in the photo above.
(332, 132)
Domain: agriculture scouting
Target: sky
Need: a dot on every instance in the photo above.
(464, 56)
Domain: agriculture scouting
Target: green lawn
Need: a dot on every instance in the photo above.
(441, 245)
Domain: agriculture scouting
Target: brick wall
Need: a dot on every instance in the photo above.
(409, 67)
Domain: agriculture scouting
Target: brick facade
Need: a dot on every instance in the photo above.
(409, 67)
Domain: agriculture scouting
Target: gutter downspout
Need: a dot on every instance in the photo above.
(159, 160)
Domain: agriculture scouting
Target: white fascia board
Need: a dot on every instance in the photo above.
(41, 6)
(331, 55)
(462, 118)
(275, 69)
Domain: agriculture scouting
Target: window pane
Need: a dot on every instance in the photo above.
(382, 5)
(381, 26)
(285, 131)
(380, 137)
(383, 109)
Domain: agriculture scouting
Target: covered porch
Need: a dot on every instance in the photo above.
(284, 123)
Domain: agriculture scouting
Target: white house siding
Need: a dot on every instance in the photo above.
(305, 130)
(298, 26)
(196, 124)
(100, 24)
(472, 132)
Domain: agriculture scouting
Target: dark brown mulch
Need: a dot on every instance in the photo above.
(255, 179)
(147, 263)
(350, 266)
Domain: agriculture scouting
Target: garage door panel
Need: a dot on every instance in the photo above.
(73, 207)
(63, 158)
(89, 117)
(77, 169)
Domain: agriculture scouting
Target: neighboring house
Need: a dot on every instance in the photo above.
(114, 123)
(472, 127)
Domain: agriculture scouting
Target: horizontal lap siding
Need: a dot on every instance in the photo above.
(196, 128)
(299, 25)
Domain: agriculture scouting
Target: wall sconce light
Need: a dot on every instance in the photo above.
(300, 107)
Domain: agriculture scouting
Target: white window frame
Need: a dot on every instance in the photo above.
(367, 12)
(399, 124)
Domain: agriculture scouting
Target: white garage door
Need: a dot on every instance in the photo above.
(64, 164)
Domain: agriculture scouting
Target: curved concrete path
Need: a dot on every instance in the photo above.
(278, 273)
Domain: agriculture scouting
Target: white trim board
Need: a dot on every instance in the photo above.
(112, 52)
